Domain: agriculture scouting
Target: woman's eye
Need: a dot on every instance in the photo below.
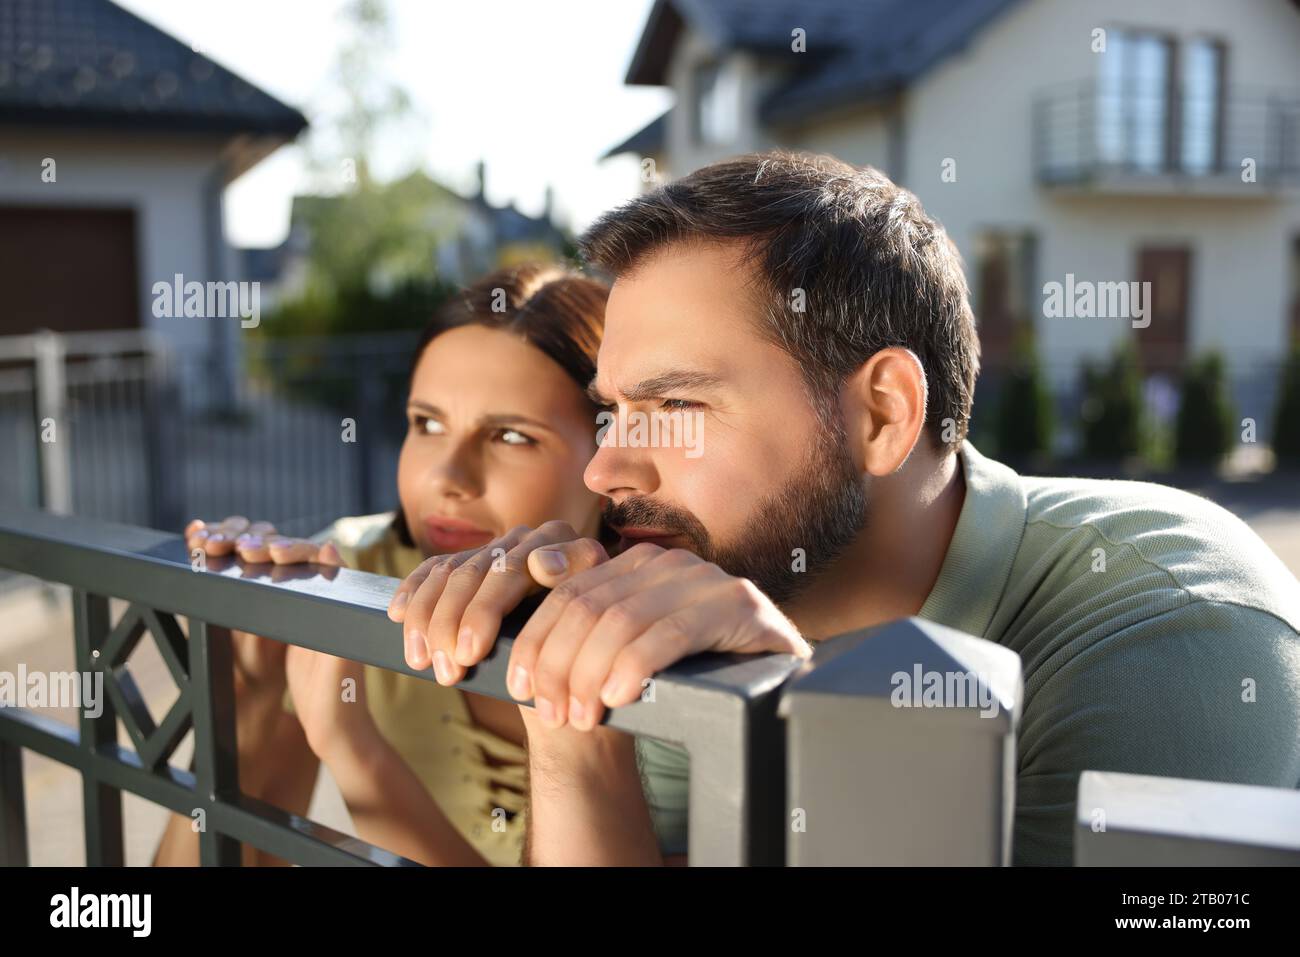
(511, 437)
(426, 426)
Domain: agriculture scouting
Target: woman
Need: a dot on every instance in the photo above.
(500, 430)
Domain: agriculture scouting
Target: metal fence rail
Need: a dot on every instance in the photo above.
(800, 763)
(119, 426)
(722, 709)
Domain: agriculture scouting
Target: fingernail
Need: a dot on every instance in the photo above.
(552, 562)
(577, 713)
(217, 537)
(465, 645)
(415, 649)
(520, 686)
(545, 710)
(249, 541)
(398, 603)
(609, 693)
(442, 667)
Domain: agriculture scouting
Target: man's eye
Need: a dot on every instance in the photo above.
(677, 404)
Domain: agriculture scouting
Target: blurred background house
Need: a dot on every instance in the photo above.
(1115, 142)
(117, 143)
(1099, 143)
(465, 236)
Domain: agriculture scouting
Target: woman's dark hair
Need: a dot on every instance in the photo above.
(556, 310)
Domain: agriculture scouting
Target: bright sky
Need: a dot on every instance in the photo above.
(532, 87)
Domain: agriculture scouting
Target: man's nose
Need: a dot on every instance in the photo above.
(615, 470)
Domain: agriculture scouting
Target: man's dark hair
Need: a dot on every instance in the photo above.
(875, 271)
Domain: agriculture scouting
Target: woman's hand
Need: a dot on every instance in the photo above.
(329, 697)
(259, 662)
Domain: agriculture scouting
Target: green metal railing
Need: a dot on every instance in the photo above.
(721, 709)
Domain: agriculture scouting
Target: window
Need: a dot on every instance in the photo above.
(1202, 105)
(1133, 105)
(1004, 290)
(1160, 105)
(717, 105)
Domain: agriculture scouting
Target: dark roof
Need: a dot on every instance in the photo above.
(510, 225)
(91, 63)
(648, 139)
(894, 43)
(856, 49)
(762, 26)
(262, 263)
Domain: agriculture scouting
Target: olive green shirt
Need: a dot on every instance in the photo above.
(1158, 635)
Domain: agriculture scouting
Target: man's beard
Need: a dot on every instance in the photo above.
(821, 510)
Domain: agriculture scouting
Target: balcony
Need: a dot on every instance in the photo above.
(1090, 139)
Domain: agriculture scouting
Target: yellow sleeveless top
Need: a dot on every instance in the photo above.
(477, 778)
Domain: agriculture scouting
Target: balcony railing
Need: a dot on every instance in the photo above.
(1092, 137)
(789, 762)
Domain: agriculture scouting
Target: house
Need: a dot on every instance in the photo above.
(458, 238)
(501, 235)
(117, 142)
(1076, 144)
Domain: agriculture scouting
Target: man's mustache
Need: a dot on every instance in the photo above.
(647, 512)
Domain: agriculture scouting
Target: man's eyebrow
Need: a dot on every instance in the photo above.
(658, 385)
(498, 420)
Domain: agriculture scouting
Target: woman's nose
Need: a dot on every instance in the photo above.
(456, 473)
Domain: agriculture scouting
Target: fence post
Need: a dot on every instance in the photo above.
(162, 463)
(51, 406)
(901, 749)
(101, 802)
(1138, 820)
(13, 811)
(216, 761)
(367, 422)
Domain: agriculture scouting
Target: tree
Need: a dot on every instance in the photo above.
(1204, 430)
(1025, 422)
(1286, 422)
(1112, 415)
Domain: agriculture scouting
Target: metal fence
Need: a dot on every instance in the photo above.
(120, 427)
(722, 709)
(795, 763)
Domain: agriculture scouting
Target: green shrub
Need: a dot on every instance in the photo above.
(1286, 421)
(1204, 430)
(1111, 416)
(1025, 422)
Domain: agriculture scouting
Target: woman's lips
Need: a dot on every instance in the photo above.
(446, 534)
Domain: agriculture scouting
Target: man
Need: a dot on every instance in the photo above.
(816, 320)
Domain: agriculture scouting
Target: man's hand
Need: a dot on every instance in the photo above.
(604, 630)
(452, 605)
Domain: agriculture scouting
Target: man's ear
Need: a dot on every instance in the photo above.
(886, 404)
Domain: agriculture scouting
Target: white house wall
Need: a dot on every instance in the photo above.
(976, 109)
(165, 183)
